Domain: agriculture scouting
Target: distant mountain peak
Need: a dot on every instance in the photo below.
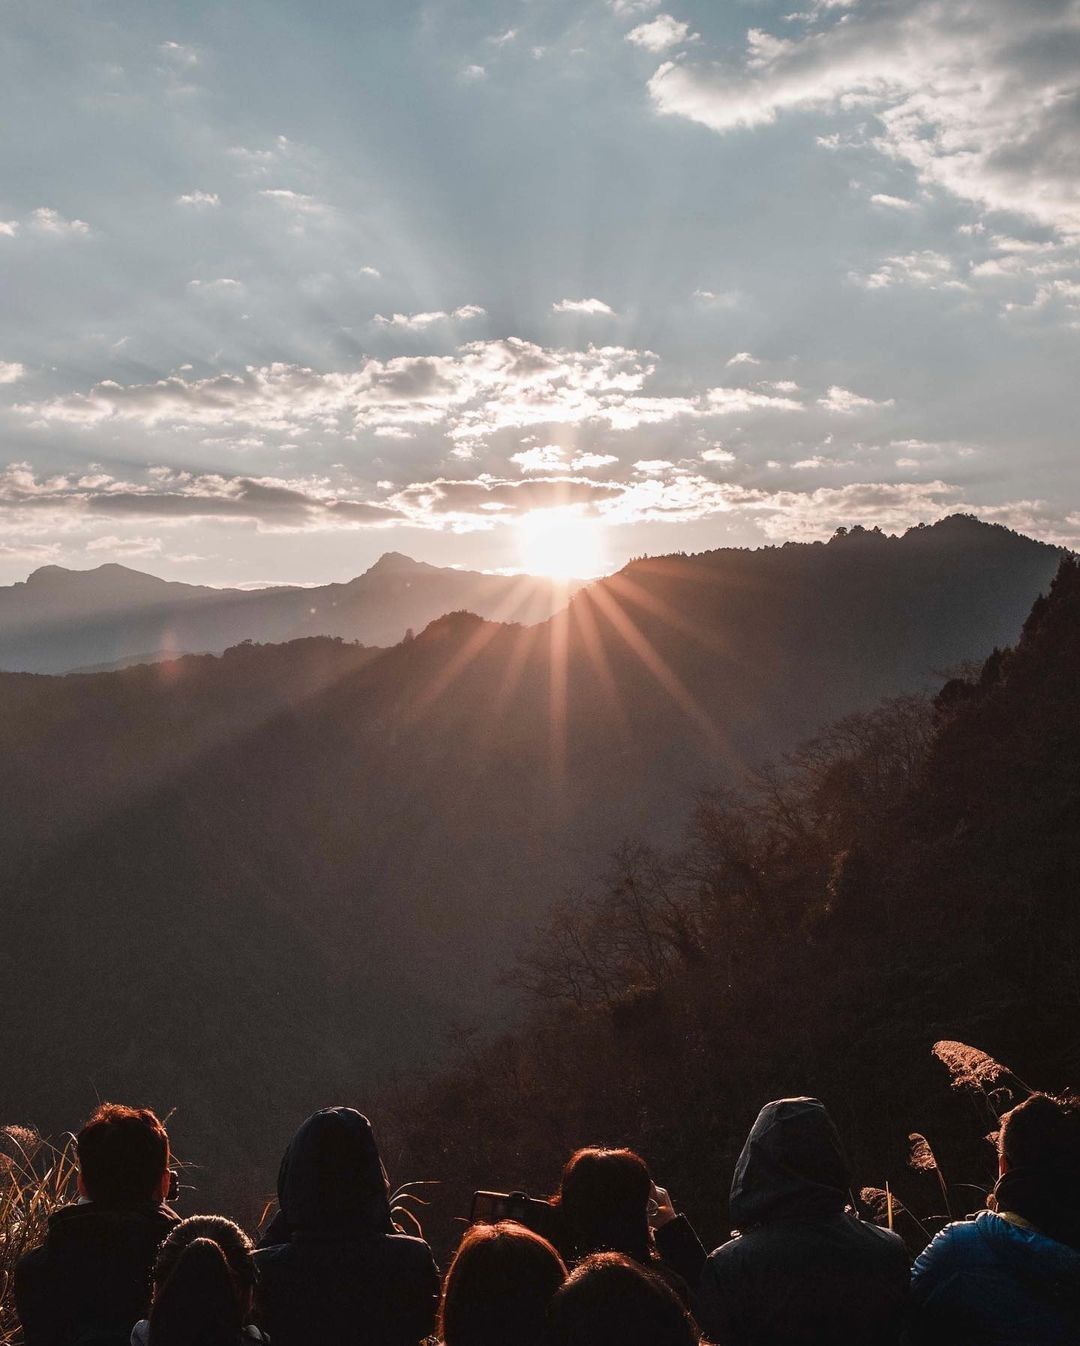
(396, 562)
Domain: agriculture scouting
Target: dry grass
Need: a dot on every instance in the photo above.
(36, 1178)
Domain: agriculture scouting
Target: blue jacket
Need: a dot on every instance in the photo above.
(990, 1281)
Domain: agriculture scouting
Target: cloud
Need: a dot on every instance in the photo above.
(544, 458)
(978, 99)
(806, 515)
(584, 462)
(843, 400)
(926, 268)
(660, 33)
(372, 272)
(416, 322)
(587, 306)
(170, 495)
(649, 466)
(199, 200)
(483, 388)
(716, 453)
(126, 546)
(11, 371)
(624, 9)
(718, 298)
(45, 220)
(222, 285)
(731, 401)
(743, 358)
(472, 74)
(181, 55)
(9, 228)
(893, 202)
(503, 39)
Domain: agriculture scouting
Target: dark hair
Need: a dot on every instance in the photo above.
(123, 1154)
(604, 1200)
(1043, 1132)
(611, 1300)
(498, 1288)
(203, 1279)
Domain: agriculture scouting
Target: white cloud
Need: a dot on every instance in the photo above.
(371, 271)
(718, 298)
(503, 39)
(483, 388)
(716, 453)
(9, 228)
(472, 73)
(977, 99)
(11, 371)
(660, 33)
(585, 461)
(416, 322)
(393, 432)
(844, 401)
(926, 268)
(732, 401)
(587, 306)
(543, 458)
(198, 199)
(782, 385)
(743, 358)
(893, 202)
(45, 220)
(652, 466)
(220, 285)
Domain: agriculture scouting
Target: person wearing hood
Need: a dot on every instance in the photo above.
(333, 1266)
(90, 1279)
(1011, 1275)
(802, 1270)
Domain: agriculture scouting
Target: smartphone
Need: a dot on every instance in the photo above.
(532, 1211)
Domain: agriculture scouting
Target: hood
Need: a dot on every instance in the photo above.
(791, 1167)
(332, 1182)
(1028, 1253)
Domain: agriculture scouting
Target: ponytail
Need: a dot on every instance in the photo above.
(197, 1304)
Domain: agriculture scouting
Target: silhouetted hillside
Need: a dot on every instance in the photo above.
(910, 874)
(60, 620)
(318, 893)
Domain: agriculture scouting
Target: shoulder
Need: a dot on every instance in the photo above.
(889, 1244)
(958, 1243)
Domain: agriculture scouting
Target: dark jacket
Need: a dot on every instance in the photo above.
(993, 1282)
(803, 1272)
(90, 1280)
(342, 1273)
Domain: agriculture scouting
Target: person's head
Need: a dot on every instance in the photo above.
(604, 1201)
(499, 1287)
(1042, 1133)
(204, 1279)
(611, 1300)
(123, 1156)
(792, 1166)
(331, 1180)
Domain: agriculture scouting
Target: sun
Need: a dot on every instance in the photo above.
(562, 543)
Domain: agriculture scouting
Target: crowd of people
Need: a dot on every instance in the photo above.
(618, 1267)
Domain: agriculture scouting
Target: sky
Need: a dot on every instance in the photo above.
(286, 286)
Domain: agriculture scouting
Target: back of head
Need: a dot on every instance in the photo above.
(331, 1180)
(604, 1201)
(1039, 1144)
(197, 1303)
(123, 1155)
(1042, 1133)
(610, 1300)
(499, 1287)
(791, 1167)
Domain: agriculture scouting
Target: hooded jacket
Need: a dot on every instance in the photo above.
(802, 1271)
(91, 1278)
(339, 1270)
(997, 1283)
